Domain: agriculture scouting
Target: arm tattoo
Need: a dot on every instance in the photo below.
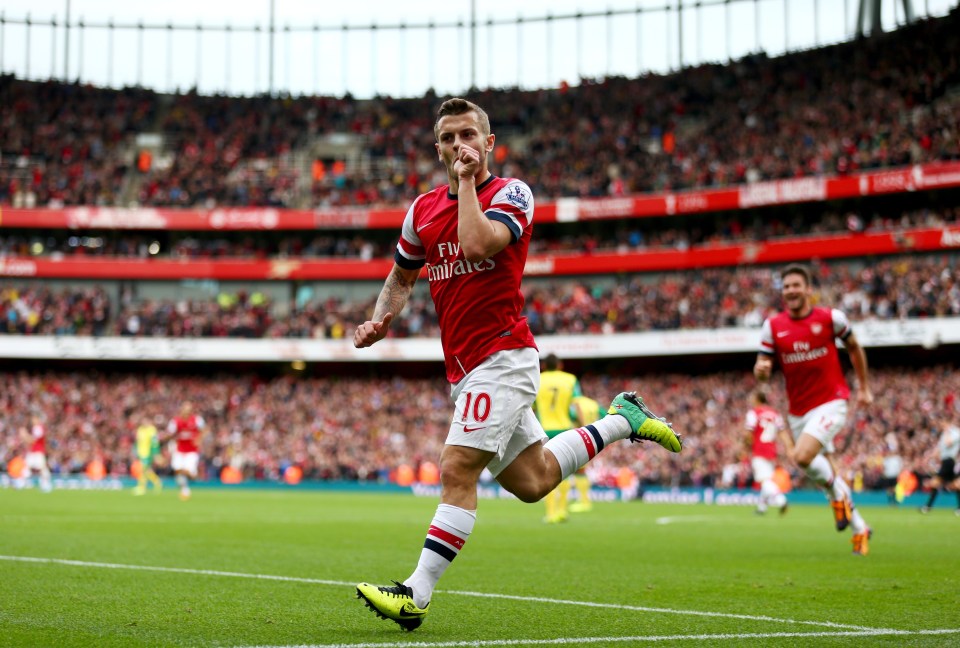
(394, 295)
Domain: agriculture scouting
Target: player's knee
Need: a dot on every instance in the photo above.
(530, 492)
(457, 483)
(803, 459)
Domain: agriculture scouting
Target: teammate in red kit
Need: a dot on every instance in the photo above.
(764, 425)
(803, 340)
(36, 458)
(472, 235)
(186, 429)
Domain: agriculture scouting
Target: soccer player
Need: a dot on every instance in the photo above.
(186, 428)
(553, 406)
(948, 447)
(802, 339)
(148, 447)
(764, 425)
(585, 410)
(36, 459)
(472, 235)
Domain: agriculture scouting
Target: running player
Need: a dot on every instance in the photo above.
(764, 425)
(472, 236)
(186, 428)
(802, 339)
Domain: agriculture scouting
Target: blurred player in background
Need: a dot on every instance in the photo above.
(148, 447)
(802, 339)
(892, 467)
(948, 448)
(585, 410)
(36, 460)
(554, 405)
(473, 235)
(186, 429)
(764, 426)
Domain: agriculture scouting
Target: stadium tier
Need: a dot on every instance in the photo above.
(884, 102)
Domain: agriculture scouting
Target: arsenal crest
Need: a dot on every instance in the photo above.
(816, 328)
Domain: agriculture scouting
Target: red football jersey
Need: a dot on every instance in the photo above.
(458, 287)
(39, 434)
(764, 422)
(807, 352)
(187, 430)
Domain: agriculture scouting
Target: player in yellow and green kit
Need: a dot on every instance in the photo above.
(586, 411)
(148, 447)
(554, 409)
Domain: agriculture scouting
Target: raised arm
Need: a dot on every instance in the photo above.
(480, 237)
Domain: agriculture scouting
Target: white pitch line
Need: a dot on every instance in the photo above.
(174, 570)
(641, 608)
(649, 639)
(682, 518)
(509, 597)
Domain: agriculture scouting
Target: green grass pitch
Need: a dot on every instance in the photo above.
(277, 568)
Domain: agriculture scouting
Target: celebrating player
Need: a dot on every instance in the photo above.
(802, 338)
(473, 236)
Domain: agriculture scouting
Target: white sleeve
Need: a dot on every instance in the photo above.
(751, 420)
(766, 337)
(841, 325)
(512, 206)
(410, 253)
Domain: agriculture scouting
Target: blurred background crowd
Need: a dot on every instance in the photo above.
(353, 428)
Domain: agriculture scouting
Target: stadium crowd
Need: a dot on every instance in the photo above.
(878, 103)
(364, 428)
(895, 287)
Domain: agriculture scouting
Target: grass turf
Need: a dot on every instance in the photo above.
(623, 574)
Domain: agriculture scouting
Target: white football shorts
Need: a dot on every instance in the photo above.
(35, 461)
(185, 461)
(493, 407)
(762, 469)
(823, 423)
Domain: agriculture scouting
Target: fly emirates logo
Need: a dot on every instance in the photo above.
(450, 266)
(803, 353)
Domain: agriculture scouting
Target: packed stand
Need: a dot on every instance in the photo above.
(879, 102)
(362, 429)
(863, 105)
(68, 144)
